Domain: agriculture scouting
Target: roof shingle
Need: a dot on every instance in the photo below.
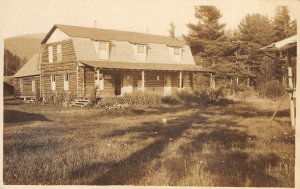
(107, 35)
(30, 68)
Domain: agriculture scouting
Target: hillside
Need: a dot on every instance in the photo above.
(24, 46)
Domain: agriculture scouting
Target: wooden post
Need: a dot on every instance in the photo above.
(290, 77)
(211, 80)
(143, 81)
(180, 79)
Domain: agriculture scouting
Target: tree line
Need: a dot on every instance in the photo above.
(12, 63)
(235, 55)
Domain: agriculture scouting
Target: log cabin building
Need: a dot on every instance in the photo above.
(27, 80)
(79, 59)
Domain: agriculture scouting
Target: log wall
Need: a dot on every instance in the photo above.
(68, 65)
(27, 86)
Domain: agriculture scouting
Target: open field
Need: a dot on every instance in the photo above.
(232, 145)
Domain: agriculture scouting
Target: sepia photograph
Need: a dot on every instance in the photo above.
(149, 93)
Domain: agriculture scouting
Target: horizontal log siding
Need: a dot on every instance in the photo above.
(152, 84)
(27, 86)
(80, 82)
(67, 50)
(68, 65)
(186, 81)
(174, 81)
(46, 79)
(89, 83)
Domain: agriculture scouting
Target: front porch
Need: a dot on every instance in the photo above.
(103, 83)
(106, 78)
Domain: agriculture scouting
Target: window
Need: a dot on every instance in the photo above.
(21, 85)
(102, 46)
(58, 53)
(66, 82)
(50, 54)
(53, 82)
(33, 85)
(141, 48)
(140, 52)
(177, 51)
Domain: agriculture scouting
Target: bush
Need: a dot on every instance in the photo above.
(274, 89)
(58, 98)
(130, 100)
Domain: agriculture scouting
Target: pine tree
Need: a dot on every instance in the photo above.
(207, 38)
(12, 63)
(254, 32)
(282, 24)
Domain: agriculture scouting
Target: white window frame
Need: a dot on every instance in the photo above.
(53, 82)
(50, 54)
(58, 53)
(33, 85)
(21, 84)
(66, 81)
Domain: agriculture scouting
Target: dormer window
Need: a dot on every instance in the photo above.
(102, 49)
(175, 53)
(140, 51)
(141, 48)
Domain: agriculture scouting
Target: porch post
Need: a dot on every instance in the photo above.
(211, 81)
(290, 80)
(143, 81)
(180, 79)
(98, 75)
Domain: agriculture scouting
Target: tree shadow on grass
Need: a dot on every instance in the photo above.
(227, 159)
(134, 167)
(241, 169)
(14, 116)
(223, 150)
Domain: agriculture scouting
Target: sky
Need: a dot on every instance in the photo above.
(19, 17)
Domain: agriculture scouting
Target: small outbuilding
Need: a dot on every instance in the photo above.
(27, 80)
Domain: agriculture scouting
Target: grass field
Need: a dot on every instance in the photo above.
(192, 145)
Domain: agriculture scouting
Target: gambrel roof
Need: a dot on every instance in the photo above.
(108, 35)
(30, 68)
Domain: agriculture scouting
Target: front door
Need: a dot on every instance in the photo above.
(118, 83)
(167, 84)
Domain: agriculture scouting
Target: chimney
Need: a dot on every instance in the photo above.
(95, 23)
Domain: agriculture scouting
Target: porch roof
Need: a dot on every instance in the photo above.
(145, 66)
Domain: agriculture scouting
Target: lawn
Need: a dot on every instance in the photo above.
(191, 145)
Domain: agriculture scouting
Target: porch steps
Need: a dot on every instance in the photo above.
(80, 102)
